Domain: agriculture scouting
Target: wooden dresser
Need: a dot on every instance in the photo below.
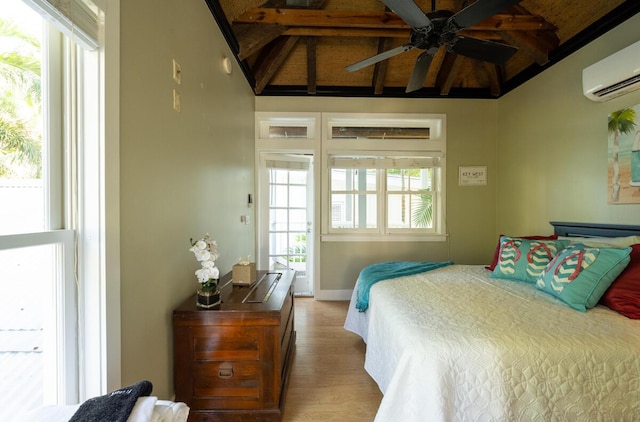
(232, 362)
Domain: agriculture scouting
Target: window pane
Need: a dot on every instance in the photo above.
(409, 211)
(27, 328)
(353, 179)
(21, 123)
(365, 132)
(22, 209)
(404, 180)
(356, 211)
(288, 132)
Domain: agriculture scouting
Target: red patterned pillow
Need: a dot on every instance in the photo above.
(496, 254)
(624, 294)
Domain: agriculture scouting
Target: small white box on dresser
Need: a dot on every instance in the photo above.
(244, 275)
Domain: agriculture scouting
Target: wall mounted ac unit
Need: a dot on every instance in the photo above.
(613, 76)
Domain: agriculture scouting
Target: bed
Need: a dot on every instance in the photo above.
(458, 343)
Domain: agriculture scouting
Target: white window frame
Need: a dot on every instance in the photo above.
(63, 366)
(82, 200)
(434, 147)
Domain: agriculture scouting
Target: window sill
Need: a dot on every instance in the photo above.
(352, 237)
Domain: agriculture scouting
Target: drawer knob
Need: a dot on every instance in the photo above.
(225, 371)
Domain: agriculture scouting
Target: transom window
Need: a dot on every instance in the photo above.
(383, 177)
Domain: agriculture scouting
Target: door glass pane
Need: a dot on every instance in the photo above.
(27, 329)
(298, 196)
(298, 220)
(288, 220)
(279, 196)
(278, 243)
(278, 219)
(298, 177)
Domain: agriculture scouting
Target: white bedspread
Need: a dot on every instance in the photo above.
(455, 345)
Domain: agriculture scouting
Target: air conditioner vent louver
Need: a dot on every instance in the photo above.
(613, 76)
(620, 85)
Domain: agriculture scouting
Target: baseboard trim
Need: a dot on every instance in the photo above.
(333, 294)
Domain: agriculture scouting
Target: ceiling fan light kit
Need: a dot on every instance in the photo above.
(439, 28)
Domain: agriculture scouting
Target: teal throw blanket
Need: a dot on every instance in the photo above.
(371, 274)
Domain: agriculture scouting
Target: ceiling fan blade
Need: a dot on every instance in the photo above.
(488, 51)
(419, 72)
(480, 10)
(379, 57)
(409, 12)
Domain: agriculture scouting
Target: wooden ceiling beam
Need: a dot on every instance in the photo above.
(323, 18)
(377, 19)
(536, 47)
(380, 68)
(434, 69)
(252, 38)
(270, 60)
(310, 31)
(303, 31)
(311, 65)
(494, 78)
(449, 72)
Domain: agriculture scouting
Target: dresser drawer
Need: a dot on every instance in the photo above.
(228, 379)
(226, 343)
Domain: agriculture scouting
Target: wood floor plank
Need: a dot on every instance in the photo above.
(328, 381)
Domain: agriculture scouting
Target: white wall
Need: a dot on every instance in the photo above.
(552, 145)
(182, 174)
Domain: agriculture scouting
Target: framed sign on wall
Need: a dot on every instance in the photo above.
(472, 175)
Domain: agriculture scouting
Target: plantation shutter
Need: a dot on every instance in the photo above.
(288, 162)
(433, 160)
(81, 20)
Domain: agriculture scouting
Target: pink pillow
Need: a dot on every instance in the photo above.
(496, 254)
(624, 294)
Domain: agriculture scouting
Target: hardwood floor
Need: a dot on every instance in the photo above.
(328, 381)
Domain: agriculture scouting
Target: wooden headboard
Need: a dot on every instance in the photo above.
(593, 230)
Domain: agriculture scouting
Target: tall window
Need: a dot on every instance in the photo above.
(384, 177)
(45, 76)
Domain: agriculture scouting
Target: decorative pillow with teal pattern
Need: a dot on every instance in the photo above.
(579, 275)
(524, 259)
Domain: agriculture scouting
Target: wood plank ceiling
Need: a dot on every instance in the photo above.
(302, 47)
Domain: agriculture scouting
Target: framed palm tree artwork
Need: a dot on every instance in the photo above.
(624, 156)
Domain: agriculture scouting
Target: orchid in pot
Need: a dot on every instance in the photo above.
(206, 252)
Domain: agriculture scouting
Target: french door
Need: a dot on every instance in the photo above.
(287, 213)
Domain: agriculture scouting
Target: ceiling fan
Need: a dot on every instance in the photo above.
(431, 30)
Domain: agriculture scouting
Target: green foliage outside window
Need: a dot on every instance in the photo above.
(20, 103)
